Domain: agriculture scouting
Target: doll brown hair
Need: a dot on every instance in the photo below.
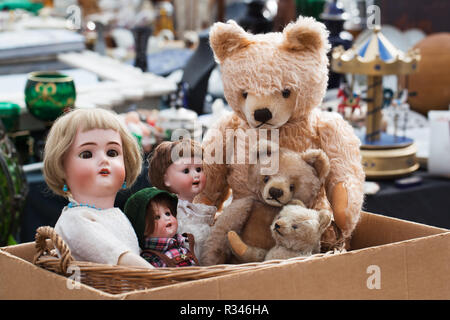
(162, 199)
(167, 153)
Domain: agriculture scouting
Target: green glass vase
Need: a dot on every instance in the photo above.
(49, 94)
(10, 115)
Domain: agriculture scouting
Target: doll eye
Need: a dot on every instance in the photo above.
(244, 94)
(291, 187)
(294, 226)
(112, 153)
(266, 178)
(85, 155)
(186, 171)
(198, 169)
(157, 217)
(168, 214)
(286, 93)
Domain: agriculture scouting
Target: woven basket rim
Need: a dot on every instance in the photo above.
(157, 277)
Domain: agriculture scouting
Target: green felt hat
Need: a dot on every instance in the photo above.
(136, 209)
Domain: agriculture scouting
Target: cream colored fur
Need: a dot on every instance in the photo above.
(262, 66)
(298, 234)
(302, 241)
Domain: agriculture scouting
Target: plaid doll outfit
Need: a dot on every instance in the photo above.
(170, 252)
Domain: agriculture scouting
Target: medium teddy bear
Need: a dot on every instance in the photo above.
(300, 178)
(296, 230)
(276, 81)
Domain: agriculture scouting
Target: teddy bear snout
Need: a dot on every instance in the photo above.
(278, 225)
(275, 193)
(262, 115)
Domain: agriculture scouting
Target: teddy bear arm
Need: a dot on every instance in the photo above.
(344, 184)
(242, 251)
(233, 217)
(217, 189)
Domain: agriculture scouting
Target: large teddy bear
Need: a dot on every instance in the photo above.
(276, 81)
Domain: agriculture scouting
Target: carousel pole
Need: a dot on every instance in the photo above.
(374, 106)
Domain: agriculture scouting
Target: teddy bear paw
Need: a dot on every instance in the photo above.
(238, 247)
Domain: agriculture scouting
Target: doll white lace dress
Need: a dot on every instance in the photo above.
(100, 236)
(197, 219)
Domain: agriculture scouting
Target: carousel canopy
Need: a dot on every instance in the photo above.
(374, 56)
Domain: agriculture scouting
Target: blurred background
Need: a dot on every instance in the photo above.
(150, 61)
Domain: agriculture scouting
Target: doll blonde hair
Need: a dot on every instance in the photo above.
(62, 135)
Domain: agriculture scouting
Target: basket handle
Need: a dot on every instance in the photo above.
(44, 233)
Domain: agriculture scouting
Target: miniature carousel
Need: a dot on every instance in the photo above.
(383, 155)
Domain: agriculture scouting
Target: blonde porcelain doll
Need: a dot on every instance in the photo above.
(89, 156)
(177, 167)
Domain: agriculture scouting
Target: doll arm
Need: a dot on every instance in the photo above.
(90, 240)
(133, 260)
(344, 185)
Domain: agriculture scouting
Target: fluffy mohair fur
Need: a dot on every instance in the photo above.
(301, 177)
(285, 73)
(296, 230)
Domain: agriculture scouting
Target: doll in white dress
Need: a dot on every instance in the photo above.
(89, 156)
(177, 167)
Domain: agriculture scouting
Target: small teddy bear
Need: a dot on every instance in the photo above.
(300, 177)
(296, 230)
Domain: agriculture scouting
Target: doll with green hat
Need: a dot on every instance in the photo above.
(152, 213)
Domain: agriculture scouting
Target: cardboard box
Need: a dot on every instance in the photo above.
(390, 259)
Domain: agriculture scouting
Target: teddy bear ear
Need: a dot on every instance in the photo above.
(227, 39)
(306, 34)
(319, 161)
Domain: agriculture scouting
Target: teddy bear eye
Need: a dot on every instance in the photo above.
(244, 94)
(266, 178)
(286, 93)
(294, 226)
(291, 187)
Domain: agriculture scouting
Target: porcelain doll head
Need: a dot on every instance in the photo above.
(89, 155)
(161, 219)
(152, 213)
(177, 167)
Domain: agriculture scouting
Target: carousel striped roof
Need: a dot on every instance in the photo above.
(377, 44)
(375, 55)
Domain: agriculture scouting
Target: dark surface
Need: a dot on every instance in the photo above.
(427, 203)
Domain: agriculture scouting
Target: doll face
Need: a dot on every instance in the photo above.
(94, 165)
(186, 178)
(166, 224)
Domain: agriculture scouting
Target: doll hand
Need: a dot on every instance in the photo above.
(133, 260)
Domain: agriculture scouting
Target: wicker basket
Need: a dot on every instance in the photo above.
(116, 279)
